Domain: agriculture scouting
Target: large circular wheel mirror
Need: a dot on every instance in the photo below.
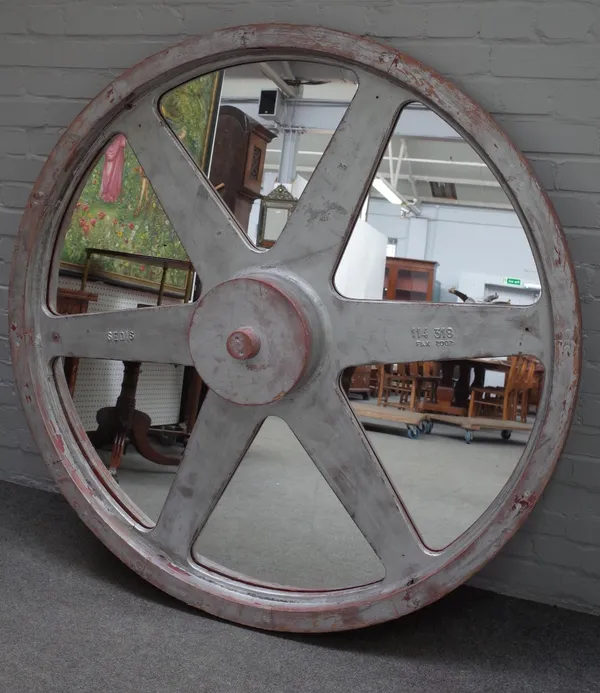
(279, 336)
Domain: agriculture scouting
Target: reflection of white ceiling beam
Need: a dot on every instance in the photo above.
(387, 191)
(390, 158)
(452, 162)
(287, 71)
(395, 164)
(398, 166)
(271, 73)
(395, 197)
(324, 117)
(405, 176)
(411, 179)
(450, 179)
(408, 159)
(466, 203)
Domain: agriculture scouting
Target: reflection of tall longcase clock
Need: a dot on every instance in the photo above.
(238, 163)
(238, 160)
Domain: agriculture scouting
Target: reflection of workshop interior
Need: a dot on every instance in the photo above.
(436, 225)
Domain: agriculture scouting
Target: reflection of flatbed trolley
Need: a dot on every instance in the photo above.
(414, 420)
(471, 424)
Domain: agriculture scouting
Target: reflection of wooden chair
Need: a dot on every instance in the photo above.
(374, 381)
(403, 384)
(538, 383)
(500, 402)
(430, 379)
(527, 384)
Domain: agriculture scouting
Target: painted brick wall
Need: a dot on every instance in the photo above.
(535, 65)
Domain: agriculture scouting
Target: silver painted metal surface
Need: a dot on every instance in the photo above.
(283, 331)
(339, 332)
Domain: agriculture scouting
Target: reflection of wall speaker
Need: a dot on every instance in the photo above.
(268, 103)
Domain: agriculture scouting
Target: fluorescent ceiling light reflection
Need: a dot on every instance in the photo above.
(384, 189)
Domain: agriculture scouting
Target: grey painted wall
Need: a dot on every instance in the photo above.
(535, 65)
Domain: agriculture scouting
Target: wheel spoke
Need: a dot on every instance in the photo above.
(332, 436)
(220, 438)
(213, 240)
(323, 218)
(390, 332)
(157, 335)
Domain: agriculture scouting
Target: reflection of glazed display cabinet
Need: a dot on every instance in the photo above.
(238, 160)
(405, 280)
(409, 280)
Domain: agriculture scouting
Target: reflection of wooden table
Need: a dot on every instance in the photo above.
(453, 399)
(116, 424)
(71, 302)
(360, 382)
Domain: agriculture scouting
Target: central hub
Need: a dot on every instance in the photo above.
(243, 344)
(251, 339)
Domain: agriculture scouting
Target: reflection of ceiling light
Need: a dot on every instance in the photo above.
(384, 189)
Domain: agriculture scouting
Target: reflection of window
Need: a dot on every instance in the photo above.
(390, 250)
(446, 191)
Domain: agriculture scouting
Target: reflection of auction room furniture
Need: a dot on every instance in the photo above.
(236, 171)
(538, 385)
(238, 160)
(430, 380)
(71, 302)
(402, 385)
(360, 382)
(455, 384)
(502, 402)
(117, 424)
(513, 400)
(275, 209)
(409, 383)
(409, 280)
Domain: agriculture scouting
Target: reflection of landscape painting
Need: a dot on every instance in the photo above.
(118, 209)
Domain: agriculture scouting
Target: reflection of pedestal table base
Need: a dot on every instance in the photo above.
(117, 424)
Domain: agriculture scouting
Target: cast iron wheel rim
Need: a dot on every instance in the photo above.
(549, 329)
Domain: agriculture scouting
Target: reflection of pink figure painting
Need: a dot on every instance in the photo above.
(112, 173)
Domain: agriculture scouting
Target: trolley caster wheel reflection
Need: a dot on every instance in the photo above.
(413, 432)
(468, 436)
(506, 435)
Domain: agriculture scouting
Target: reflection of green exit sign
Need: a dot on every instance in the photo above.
(511, 281)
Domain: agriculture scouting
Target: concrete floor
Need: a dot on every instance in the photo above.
(278, 521)
(73, 619)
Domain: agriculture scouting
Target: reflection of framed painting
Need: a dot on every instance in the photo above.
(118, 209)
(275, 209)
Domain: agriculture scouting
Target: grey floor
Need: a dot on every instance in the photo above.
(278, 520)
(75, 620)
